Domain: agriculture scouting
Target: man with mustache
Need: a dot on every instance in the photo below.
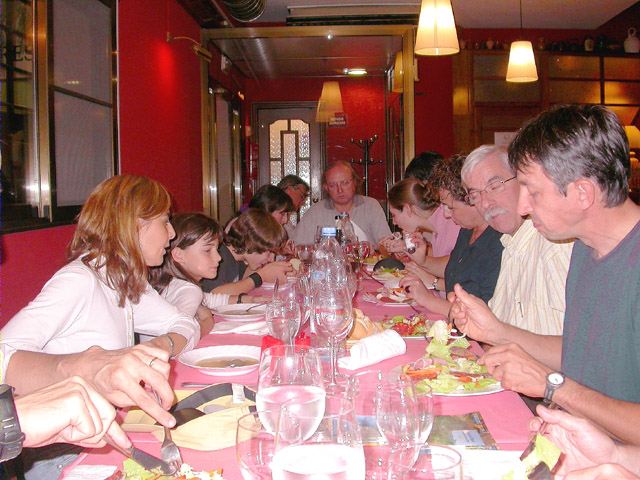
(530, 289)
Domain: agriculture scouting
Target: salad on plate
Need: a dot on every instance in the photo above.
(411, 326)
(449, 366)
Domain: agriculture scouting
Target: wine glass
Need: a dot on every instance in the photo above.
(255, 446)
(424, 405)
(305, 254)
(333, 317)
(397, 412)
(419, 462)
(333, 451)
(292, 375)
(283, 319)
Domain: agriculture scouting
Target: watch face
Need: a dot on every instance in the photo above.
(555, 378)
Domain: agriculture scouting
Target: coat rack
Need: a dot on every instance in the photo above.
(366, 160)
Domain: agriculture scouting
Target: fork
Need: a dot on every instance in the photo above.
(169, 450)
(532, 443)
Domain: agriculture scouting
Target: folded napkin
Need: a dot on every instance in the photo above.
(213, 431)
(489, 464)
(249, 328)
(374, 349)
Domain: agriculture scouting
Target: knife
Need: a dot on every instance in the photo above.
(145, 459)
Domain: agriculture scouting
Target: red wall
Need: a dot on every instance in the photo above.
(363, 103)
(159, 136)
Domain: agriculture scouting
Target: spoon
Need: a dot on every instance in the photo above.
(254, 306)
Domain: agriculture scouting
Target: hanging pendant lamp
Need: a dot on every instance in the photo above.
(436, 29)
(522, 62)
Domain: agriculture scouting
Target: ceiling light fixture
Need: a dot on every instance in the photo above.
(522, 62)
(356, 71)
(436, 29)
(330, 102)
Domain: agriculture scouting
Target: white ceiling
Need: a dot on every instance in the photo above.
(556, 14)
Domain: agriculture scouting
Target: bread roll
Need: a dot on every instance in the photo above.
(363, 326)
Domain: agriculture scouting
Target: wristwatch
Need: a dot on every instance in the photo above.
(554, 381)
(11, 437)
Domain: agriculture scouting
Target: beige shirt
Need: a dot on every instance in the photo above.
(530, 289)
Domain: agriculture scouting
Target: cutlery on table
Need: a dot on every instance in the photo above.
(169, 451)
(254, 306)
(147, 460)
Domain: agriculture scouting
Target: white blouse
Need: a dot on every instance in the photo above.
(76, 310)
(188, 296)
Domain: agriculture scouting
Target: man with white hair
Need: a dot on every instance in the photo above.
(530, 289)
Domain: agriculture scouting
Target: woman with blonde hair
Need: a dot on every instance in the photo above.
(83, 321)
(247, 255)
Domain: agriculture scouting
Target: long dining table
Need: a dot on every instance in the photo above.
(504, 413)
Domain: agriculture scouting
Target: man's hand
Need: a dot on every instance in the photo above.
(70, 411)
(472, 316)
(416, 289)
(118, 375)
(515, 369)
(275, 270)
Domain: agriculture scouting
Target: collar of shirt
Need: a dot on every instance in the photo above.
(522, 235)
(357, 201)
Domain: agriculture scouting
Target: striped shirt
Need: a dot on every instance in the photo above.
(530, 289)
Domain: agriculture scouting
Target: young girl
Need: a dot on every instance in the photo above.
(248, 253)
(193, 255)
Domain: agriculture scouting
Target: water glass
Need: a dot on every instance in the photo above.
(397, 412)
(283, 319)
(255, 446)
(419, 462)
(332, 452)
(289, 375)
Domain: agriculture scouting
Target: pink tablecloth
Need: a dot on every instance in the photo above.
(504, 413)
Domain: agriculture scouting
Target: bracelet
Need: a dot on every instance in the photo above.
(240, 297)
(257, 279)
(172, 345)
(434, 284)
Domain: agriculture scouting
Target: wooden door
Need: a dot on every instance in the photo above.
(290, 142)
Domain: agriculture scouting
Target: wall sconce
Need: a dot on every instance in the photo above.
(330, 102)
(522, 63)
(436, 29)
(633, 134)
(398, 75)
(197, 47)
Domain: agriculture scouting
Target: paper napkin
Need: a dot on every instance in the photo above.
(248, 328)
(374, 349)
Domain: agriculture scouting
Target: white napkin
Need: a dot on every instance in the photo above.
(90, 472)
(374, 349)
(249, 328)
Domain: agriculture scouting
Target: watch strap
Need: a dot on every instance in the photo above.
(11, 436)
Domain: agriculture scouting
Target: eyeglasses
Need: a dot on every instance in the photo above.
(497, 186)
(342, 184)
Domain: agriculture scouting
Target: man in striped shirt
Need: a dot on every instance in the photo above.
(529, 293)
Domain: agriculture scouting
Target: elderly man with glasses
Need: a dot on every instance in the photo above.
(530, 289)
(341, 182)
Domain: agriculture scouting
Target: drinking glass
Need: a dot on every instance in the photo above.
(424, 405)
(397, 412)
(283, 319)
(255, 446)
(305, 254)
(333, 317)
(293, 375)
(332, 452)
(419, 462)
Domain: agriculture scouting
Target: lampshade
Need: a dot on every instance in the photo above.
(634, 136)
(436, 29)
(330, 101)
(398, 75)
(522, 63)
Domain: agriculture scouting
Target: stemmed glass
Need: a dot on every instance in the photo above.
(333, 317)
(305, 254)
(397, 412)
(333, 451)
(255, 446)
(424, 405)
(291, 375)
(283, 319)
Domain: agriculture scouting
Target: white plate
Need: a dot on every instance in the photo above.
(238, 313)
(192, 358)
(487, 391)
